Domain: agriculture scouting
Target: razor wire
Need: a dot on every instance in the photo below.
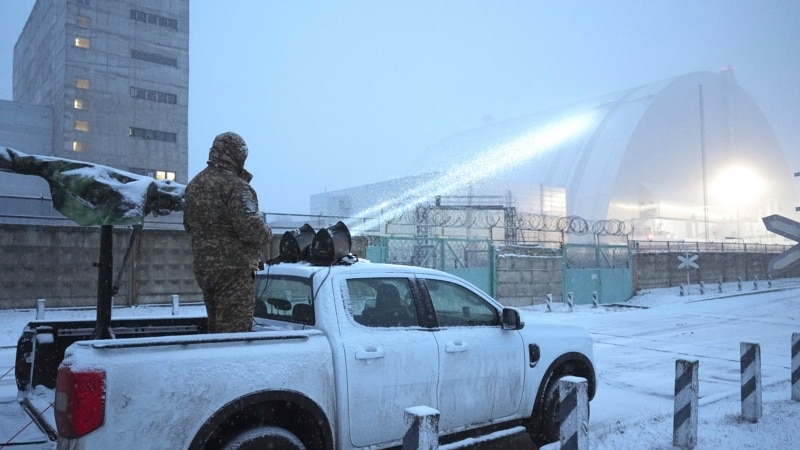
(478, 218)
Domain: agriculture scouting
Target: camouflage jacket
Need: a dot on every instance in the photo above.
(222, 218)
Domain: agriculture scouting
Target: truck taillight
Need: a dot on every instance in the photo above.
(80, 401)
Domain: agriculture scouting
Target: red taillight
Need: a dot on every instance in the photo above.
(80, 401)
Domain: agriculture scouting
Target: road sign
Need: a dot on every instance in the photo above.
(688, 262)
(789, 229)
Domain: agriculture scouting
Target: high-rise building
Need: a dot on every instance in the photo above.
(115, 74)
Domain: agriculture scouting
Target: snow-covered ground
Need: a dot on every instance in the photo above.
(636, 347)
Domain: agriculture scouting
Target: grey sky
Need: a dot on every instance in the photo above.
(334, 94)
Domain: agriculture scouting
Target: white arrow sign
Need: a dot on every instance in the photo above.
(688, 262)
(789, 229)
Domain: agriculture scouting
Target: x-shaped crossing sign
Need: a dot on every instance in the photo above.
(789, 229)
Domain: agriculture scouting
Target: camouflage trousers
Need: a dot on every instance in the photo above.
(229, 296)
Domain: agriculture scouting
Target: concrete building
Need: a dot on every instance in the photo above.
(115, 77)
(691, 157)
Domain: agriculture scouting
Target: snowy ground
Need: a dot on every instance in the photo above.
(635, 351)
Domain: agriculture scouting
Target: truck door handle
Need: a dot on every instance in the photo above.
(370, 353)
(456, 347)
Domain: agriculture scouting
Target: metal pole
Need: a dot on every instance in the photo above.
(104, 283)
(703, 156)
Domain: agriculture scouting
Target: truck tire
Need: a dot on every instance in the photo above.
(264, 437)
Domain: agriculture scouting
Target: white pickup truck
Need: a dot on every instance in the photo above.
(336, 355)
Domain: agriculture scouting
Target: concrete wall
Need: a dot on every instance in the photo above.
(57, 263)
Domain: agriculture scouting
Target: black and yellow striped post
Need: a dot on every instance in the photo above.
(684, 424)
(751, 381)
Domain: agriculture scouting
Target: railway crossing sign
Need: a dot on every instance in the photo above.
(789, 229)
(688, 262)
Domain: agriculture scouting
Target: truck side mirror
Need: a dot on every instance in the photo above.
(511, 320)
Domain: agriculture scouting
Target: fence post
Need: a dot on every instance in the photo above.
(751, 381)
(176, 305)
(684, 423)
(595, 300)
(796, 367)
(40, 309)
(549, 302)
(423, 428)
(570, 301)
(573, 408)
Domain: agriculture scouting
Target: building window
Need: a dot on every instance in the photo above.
(83, 21)
(82, 83)
(83, 42)
(80, 103)
(154, 58)
(155, 96)
(154, 19)
(80, 146)
(81, 125)
(157, 135)
(165, 175)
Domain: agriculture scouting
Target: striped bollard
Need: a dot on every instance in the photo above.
(684, 423)
(739, 282)
(682, 293)
(573, 408)
(423, 428)
(755, 282)
(751, 381)
(570, 301)
(40, 309)
(719, 286)
(796, 367)
(595, 300)
(549, 302)
(769, 281)
(702, 288)
(176, 304)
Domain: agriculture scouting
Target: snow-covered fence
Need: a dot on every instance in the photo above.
(423, 428)
(751, 381)
(684, 424)
(796, 367)
(573, 410)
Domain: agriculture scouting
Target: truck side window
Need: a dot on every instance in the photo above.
(457, 306)
(382, 302)
(284, 298)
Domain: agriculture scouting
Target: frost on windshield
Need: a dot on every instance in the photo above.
(92, 194)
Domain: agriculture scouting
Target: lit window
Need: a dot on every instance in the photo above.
(80, 146)
(82, 83)
(80, 103)
(81, 125)
(165, 175)
(83, 42)
(83, 21)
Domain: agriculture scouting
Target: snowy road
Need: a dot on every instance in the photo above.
(635, 351)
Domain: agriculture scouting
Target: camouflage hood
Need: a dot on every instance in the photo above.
(229, 151)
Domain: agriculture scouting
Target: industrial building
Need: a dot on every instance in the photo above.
(105, 82)
(687, 158)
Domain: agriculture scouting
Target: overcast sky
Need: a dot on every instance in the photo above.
(335, 94)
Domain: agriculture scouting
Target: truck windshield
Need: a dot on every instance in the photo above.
(284, 298)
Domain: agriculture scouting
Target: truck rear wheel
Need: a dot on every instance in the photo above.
(264, 437)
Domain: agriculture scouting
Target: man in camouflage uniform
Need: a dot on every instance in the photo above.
(227, 235)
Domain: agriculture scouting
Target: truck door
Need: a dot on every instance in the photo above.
(481, 366)
(392, 362)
